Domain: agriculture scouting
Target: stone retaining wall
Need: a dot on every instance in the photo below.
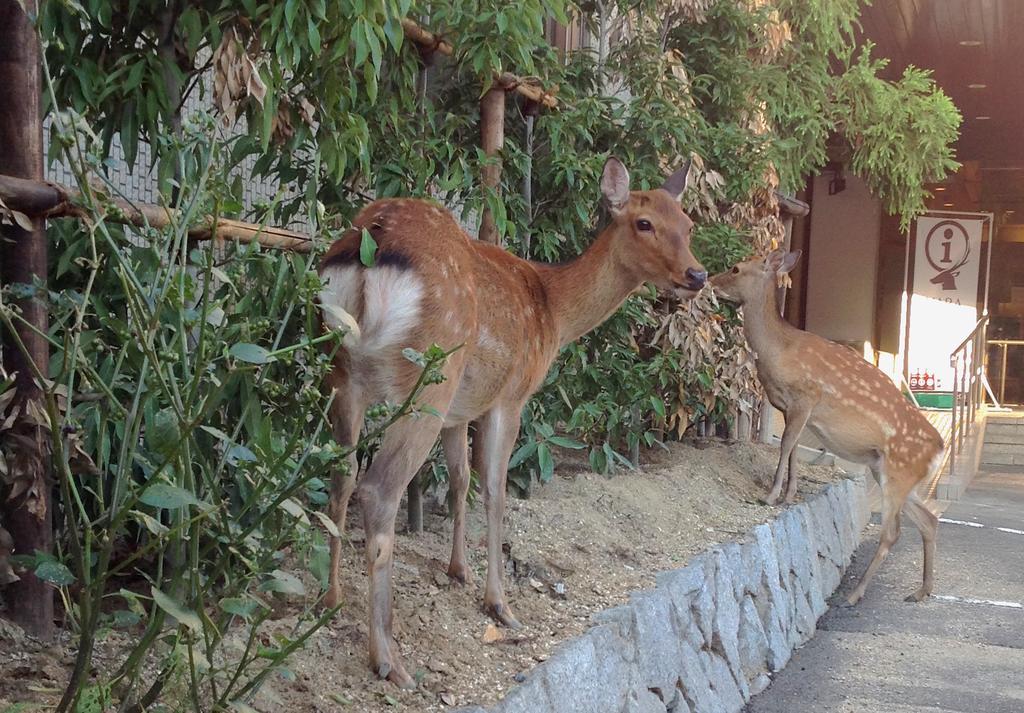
(708, 636)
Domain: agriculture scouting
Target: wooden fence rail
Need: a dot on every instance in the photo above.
(39, 199)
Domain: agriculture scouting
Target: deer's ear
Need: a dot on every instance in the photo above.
(790, 261)
(774, 260)
(615, 184)
(675, 184)
(779, 261)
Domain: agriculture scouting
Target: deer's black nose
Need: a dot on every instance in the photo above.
(697, 278)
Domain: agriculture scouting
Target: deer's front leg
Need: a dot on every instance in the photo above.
(796, 419)
(495, 437)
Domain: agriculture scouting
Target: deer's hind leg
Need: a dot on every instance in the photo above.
(927, 523)
(895, 487)
(347, 409)
(404, 448)
(455, 440)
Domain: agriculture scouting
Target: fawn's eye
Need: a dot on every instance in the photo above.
(735, 271)
(644, 225)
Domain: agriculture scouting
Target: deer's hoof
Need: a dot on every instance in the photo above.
(396, 674)
(919, 596)
(460, 576)
(332, 598)
(500, 612)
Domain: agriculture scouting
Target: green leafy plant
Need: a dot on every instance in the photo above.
(192, 442)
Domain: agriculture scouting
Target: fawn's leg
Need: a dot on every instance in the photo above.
(927, 523)
(894, 493)
(796, 419)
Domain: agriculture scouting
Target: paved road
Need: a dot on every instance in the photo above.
(960, 651)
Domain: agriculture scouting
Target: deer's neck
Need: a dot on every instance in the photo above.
(583, 293)
(767, 332)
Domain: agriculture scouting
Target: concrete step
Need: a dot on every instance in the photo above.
(1002, 459)
(1004, 429)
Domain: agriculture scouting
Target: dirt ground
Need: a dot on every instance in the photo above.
(580, 544)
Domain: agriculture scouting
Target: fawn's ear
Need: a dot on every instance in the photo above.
(773, 261)
(675, 184)
(615, 184)
(790, 261)
(781, 262)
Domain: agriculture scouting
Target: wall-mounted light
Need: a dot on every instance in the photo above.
(970, 43)
(947, 205)
(982, 118)
(939, 189)
(976, 86)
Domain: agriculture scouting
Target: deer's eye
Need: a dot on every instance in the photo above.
(644, 225)
(735, 271)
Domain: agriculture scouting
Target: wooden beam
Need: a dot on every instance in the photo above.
(41, 199)
(529, 88)
(426, 40)
(429, 42)
(23, 260)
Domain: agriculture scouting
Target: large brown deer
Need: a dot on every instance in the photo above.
(850, 405)
(432, 283)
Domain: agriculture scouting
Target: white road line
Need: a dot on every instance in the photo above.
(960, 522)
(971, 523)
(972, 600)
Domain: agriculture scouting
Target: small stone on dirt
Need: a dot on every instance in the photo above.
(492, 634)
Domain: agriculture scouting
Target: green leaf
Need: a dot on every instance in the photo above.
(525, 451)
(123, 618)
(163, 434)
(314, 36)
(328, 523)
(284, 583)
(177, 610)
(239, 606)
(150, 523)
(55, 573)
(545, 462)
(367, 249)
(394, 32)
(170, 497)
(292, 507)
(251, 353)
(658, 405)
(240, 454)
(565, 442)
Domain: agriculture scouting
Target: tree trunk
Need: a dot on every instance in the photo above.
(23, 260)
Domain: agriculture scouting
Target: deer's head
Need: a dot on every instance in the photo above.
(755, 279)
(652, 233)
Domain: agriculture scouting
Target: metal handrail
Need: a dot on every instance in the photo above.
(1004, 343)
(968, 362)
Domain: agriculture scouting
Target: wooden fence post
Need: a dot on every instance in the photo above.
(492, 138)
(23, 260)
